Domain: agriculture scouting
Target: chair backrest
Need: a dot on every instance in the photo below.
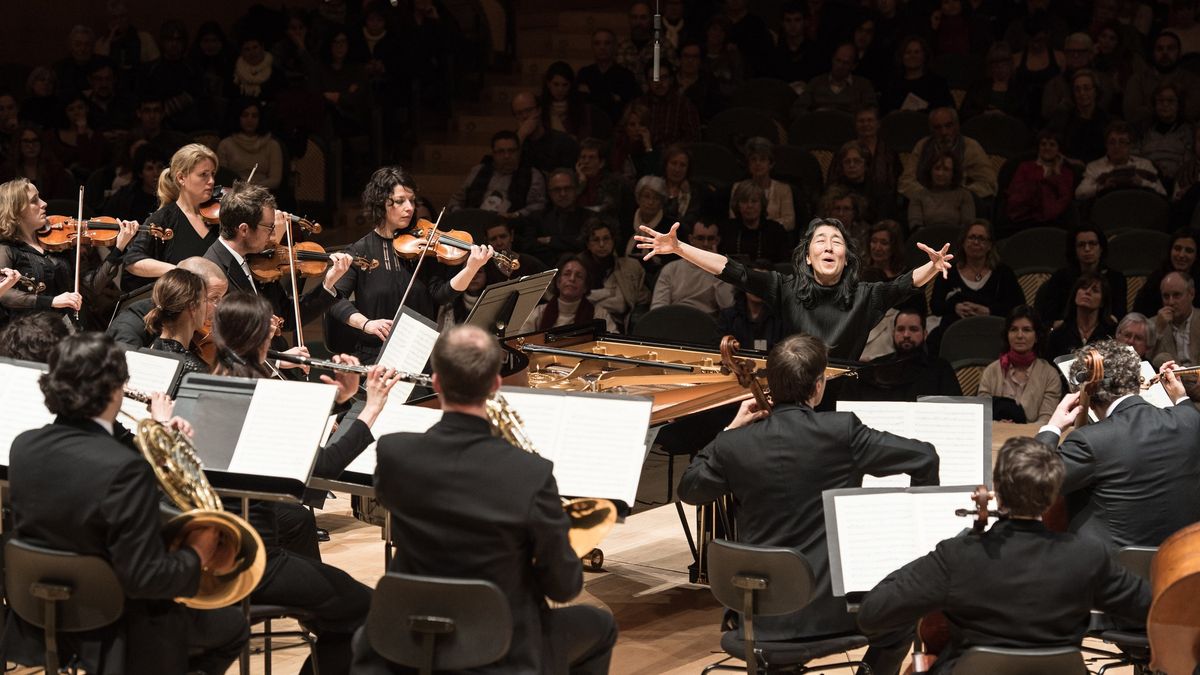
(969, 374)
(732, 126)
(901, 129)
(769, 94)
(1031, 279)
(1006, 661)
(1130, 209)
(471, 618)
(999, 134)
(714, 162)
(789, 579)
(678, 323)
(95, 597)
(1137, 252)
(799, 167)
(1137, 559)
(829, 128)
(1035, 247)
(974, 338)
(933, 236)
(475, 221)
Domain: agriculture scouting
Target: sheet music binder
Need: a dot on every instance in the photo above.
(216, 407)
(504, 307)
(26, 422)
(906, 527)
(986, 402)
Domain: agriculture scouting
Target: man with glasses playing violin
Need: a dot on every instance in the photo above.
(1132, 477)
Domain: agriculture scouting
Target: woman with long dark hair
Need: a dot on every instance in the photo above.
(1088, 317)
(1181, 256)
(1087, 250)
(563, 107)
(822, 295)
(1024, 388)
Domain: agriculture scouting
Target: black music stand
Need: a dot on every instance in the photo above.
(504, 307)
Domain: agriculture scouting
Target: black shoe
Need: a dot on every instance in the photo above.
(322, 534)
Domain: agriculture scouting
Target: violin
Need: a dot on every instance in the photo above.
(204, 346)
(61, 231)
(933, 629)
(31, 285)
(310, 260)
(210, 213)
(450, 247)
(745, 370)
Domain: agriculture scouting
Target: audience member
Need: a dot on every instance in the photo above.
(751, 320)
(150, 114)
(1118, 168)
(696, 83)
(748, 32)
(942, 199)
(681, 283)
(848, 207)
(1166, 140)
(175, 79)
(616, 283)
(672, 117)
(1137, 331)
(542, 148)
(563, 107)
(998, 91)
(1088, 317)
(637, 52)
(1082, 124)
(1086, 250)
(559, 228)
(140, 198)
(127, 47)
(1037, 60)
(31, 161)
(1138, 103)
(252, 148)
(41, 106)
(568, 306)
(600, 188)
(749, 234)
(502, 237)
(1178, 335)
(848, 169)
(1042, 188)
(840, 88)
(914, 87)
(609, 85)
(873, 53)
(978, 285)
(254, 72)
(722, 59)
(795, 59)
(74, 143)
(212, 58)
(1079, 52)
(1180, 256)
(1024, 388)
(907, 373)
(109, 113)
(759, 154)
(71, 72)
(885, 252)
(344, 85)
(682, 203)
(651, 194)
(502, 183)
(1184, 196)
(633, 154)
(883, 162)
(979, 174)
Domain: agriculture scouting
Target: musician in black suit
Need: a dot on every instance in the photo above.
(467, 504)
(80, 485)
(250, 224)
(1015, 585)
(1132, 477)
(128, 327)
(777, 464)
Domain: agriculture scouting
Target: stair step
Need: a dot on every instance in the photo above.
(451, 157)
(555, 44)
(532, 69)
(578, 20)
(484, 124)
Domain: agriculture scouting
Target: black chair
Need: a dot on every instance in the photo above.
(797, 166)
(61, 592)
(713, 162)
(1137, 252)
(434, 623)
(1130, 209)
(933, 236)
(266, 614)
(678, 323)
(1134, 644)
(901, 129)
(973, 338)
(830, 128)
(768, 94)
(732, 126)
(1036, 247)
(1007, 661)
(769, 581)
(999, 134)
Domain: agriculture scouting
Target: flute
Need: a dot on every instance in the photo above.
(415, 378)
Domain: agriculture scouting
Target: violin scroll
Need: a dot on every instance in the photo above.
(745, 370)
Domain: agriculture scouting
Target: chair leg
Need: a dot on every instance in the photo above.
(267, 647)
(311, 639)
(427, 654)
(670, 477)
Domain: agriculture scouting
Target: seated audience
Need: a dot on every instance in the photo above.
(1081, 125)
(978, 285)
(979, 174)
(751, 320)
(683, 203)
(543, 148)
(501, 237)
(1180, 257)
(671, 117)
(1024, 388)
(607, 84)
(1137, 331)
(942, 199)
(914, 87)
(749, 234)
(796, 59)
(1042, 188)
(139, 198)
(1087, 249)
(1165, 139)
(1138, 103)
(650, 193)
(616, 283)
(909, 372)
(1118, 168)
(252, 148)
(885, 252)
(883, 162)
(601, 189)
(999, 91)
(1087, 318)
(563, 107)
(1178, 334)
(39, 166)
(1078, 52)
(568, 305)
(633, 154)
(502, 183)
(840, 88)
(696, 83)
(722, 59)
(681, 283)
(557, 229)
(759, 154)
(850, 169)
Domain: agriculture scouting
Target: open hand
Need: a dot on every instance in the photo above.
(940, 258)
(658, 243)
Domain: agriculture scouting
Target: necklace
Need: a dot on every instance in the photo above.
(963, 271)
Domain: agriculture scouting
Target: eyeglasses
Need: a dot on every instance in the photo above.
(979, 238)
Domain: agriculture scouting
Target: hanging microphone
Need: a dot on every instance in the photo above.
(656, 75)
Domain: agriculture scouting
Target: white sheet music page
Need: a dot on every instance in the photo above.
(148, 374)
(408, 351)
(393, 420)
(935, 519)
(283, 429)
(954, 429)
(597, 443)
(875, 536)
(23, 405)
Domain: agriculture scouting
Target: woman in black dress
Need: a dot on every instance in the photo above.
(180, 308)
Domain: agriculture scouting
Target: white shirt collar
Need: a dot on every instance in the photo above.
(236, 256)
(108, 426)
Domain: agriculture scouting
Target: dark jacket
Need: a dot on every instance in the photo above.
(518, 189)
(902, 377)
(312, 304)
(777, 479)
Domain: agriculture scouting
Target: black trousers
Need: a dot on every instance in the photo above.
(579, 639)
(218, 635)
(339, 603)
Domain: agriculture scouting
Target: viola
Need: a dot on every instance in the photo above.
(61, 231)
(309, 257)
(745, 371)
(451, 247)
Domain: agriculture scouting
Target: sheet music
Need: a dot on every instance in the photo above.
(954, 429)
(23, 404)
(407, 350)
(880, 532)
(283, 429)
(148, 374)
(392, 420)
(1156, 395)
(597, 443)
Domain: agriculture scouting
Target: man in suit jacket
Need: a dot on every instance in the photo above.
(1178, 331)
(1131, 477)
(467, 504)
(80, 485)
(777, 468)
(249, 223)
(1016, 585)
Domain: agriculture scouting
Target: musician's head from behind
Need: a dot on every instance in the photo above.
(1028, 476)
(466, 366)
(180, 302)
(908, 334)
(248, 217)
(242, 330)
(826, 256)
(86, 378)
(32, 336)
(390, 199)
(21, 209)
(1122, 373)
(796, 370)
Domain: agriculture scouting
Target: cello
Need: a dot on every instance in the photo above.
(1173, 625)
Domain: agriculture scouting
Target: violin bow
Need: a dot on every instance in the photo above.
(433, 233)
(295, 286)
(250, 178)
(80, 232)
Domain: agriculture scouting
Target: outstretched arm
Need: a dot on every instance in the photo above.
(939, 263)
(667, 243)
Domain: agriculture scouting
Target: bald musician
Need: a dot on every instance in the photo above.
(467, 504)
(1017, 584)
(776, 465)
(129, 326)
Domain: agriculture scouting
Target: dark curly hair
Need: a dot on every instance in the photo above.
(806, 283)
(85, 369)
(241, 325)
(32, 336)
(379, 190)
(1122, 371)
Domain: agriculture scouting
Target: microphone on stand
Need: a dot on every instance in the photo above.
(657, 42)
